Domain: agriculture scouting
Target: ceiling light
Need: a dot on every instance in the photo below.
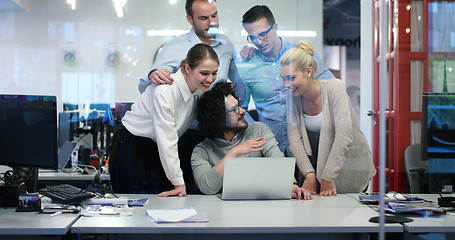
(169, 33)
(72, 3)
(118, 5)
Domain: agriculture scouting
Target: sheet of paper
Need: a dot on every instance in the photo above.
(171, 215)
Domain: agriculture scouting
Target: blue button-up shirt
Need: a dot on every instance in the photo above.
(263, 82)
(173, 52)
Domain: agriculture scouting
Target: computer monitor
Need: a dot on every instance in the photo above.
(438, 140)
(65, 130)
(72, 109)
(28, 131)
(97, 110)
(121, 108)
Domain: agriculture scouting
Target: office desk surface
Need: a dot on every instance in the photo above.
(32, 223)
(438, 224)
(342, 214)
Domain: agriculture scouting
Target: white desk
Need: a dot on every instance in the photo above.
(22, 224)
(341, 217)
(442, 225)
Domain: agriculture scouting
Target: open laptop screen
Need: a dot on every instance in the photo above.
(258, 178)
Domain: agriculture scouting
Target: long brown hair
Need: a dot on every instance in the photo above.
(198, 53)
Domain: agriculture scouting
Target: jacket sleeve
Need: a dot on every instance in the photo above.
(339, 105)
(295, 136)
(167, 137)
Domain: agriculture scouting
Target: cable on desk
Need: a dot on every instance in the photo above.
(11, 177)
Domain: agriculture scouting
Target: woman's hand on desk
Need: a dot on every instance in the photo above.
(309, 184)
(298, 193)
(327, 188)
(179, 190)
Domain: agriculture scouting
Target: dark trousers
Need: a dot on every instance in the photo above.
(136, 165)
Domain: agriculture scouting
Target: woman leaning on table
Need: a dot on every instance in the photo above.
(162, 113)
(322, 128)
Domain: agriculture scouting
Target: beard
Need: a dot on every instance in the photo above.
(236, 128)
(210, 34)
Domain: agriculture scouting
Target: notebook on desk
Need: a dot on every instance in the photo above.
(258, 178)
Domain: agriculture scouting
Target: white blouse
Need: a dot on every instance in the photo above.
(163, 113)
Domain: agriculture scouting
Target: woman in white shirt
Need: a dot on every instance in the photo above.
(162, 113)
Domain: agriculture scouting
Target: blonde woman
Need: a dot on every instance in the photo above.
(331, 151)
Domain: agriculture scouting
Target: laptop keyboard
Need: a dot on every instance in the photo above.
(65, 193)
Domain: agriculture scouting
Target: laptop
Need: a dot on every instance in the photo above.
(258, 178)
(64, 154)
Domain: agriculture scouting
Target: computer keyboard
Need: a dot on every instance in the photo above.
(65, 193)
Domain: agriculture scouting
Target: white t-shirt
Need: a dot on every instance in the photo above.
(163, 113)
(313, 123)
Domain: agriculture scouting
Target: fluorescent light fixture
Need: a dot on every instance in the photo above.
(165, 33)
(72, 3)
(118, 5)
(289, 33)
(169, 33)
(297, 33)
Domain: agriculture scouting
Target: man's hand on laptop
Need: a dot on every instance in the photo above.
(179, 190)
(161, 76)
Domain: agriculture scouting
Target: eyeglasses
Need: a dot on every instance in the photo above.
(261, 36)
(235, 109)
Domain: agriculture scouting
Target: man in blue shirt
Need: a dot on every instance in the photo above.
(202, 15)
(261, 73)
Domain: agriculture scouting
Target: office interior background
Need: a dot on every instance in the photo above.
(95, 51)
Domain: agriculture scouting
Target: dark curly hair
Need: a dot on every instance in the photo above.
(211, 110)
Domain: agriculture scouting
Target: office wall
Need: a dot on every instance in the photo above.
(48, 48)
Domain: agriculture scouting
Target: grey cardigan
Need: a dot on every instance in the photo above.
(344, 156)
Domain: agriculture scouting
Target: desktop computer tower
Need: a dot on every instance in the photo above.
(441, 183)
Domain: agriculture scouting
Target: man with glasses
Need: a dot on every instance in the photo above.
(261, 73)
(228, 135)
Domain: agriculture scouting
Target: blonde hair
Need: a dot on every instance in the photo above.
(301, 57)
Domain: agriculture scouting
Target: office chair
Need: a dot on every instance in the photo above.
(416, 169)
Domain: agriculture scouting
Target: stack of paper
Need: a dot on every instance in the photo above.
(176, 215)
(374, 199)
(426, 208)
